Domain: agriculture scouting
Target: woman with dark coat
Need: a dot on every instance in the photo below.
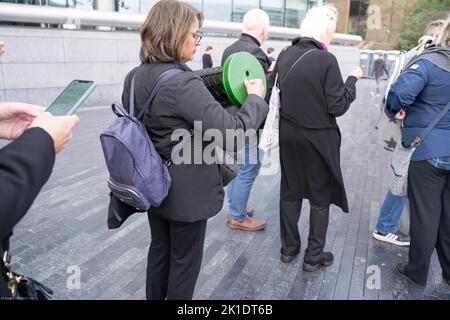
(178, 226)
(312, 96)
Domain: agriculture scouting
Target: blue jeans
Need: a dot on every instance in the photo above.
(238, 190)
(390, 213)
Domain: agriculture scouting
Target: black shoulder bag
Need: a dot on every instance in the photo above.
(22, 287)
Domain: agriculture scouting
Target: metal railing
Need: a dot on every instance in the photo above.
(67, 16)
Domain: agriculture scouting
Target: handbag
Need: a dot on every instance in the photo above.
(270, 134)
(402, 158)
(22, 287)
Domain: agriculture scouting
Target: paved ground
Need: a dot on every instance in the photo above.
(65, 231)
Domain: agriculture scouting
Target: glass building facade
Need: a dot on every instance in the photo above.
(283, 13)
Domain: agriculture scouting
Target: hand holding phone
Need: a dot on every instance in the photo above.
(71, 98)
(59, 128)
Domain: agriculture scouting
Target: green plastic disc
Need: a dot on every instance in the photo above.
(237, 68)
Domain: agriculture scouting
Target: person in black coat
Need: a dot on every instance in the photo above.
(207, 60)
(26, 163)
(379, 67)
(178, 226)
(312, 95)
(254, 33)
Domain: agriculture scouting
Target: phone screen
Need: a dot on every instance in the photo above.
(71, 98)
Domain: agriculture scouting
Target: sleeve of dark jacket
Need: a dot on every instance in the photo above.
(25, 166)
(195, 103)
(263, 60)
(339, 95)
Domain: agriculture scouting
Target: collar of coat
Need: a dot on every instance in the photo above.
(307, 42)
(181, 65)
(246, 35)
(437, 55)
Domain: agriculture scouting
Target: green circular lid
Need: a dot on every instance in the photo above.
(237, 68)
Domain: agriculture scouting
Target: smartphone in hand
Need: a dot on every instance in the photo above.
(71, 98)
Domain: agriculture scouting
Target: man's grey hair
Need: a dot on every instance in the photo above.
(255, 21)
(318, 22)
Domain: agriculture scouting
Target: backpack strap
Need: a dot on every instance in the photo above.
(161, 80)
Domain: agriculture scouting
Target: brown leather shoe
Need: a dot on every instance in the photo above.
(247, 224)
(250, 213)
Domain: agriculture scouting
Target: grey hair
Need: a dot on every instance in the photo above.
(444, 37)
(319, 21)
(255, 20)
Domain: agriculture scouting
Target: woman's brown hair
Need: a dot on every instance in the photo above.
(166, 29)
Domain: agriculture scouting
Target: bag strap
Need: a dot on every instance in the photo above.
(4, 259)
(161, 80)
(298, 60)
(430, 127)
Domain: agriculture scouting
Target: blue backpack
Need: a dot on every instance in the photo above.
(138, 176)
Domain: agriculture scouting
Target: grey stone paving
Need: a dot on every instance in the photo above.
(66, 227)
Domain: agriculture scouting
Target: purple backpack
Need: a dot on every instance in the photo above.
(138, 176)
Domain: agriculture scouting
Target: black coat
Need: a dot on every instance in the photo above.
(207, 61)
(312, 96)
(197, 191)
(247, 43)
(25, 166)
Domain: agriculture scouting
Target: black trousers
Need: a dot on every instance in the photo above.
(429, 198)
(290, 237)
(174, 258)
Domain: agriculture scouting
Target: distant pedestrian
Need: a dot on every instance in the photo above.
(271, 58)
(379, 66)
(207, 59)
(271, 54)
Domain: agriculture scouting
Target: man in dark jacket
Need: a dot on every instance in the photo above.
(379, 66)
(256, 25)
(25, 164)
(207, 59)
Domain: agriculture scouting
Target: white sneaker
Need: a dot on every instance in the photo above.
(394, 238)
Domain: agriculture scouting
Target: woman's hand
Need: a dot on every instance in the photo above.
(255, 86)
(15, 117)
(401, 114)
(59, 128)
(357, 73)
